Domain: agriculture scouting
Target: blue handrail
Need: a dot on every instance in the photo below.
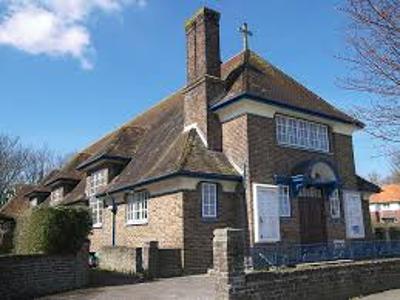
(293, 254)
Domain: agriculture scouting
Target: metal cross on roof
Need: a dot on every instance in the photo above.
(244, 30)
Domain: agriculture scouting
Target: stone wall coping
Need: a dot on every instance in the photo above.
(39, 255)
(327, 266)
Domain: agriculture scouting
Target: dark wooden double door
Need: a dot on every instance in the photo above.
(312, 218)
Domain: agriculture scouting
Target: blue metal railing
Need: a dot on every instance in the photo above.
(288, 255)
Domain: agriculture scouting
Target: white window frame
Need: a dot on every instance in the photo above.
(348, 215)
(334, 204)
(96, 181)
(209, 200)
(284, 201)
(57, 195)
(137, 208)
(96, 207)
(301, 133)
(257, 212)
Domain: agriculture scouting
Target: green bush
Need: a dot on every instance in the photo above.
(52, 230)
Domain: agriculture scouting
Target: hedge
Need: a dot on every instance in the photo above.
(52, 230)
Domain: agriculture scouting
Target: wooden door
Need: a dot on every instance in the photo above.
(312, 218)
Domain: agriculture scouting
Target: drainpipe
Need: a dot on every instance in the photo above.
(114, 209)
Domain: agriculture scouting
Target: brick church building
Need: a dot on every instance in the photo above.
(241, 145)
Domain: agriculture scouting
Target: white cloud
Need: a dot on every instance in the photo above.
(54, 27)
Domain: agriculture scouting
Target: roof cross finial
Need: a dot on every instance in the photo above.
(244, 30)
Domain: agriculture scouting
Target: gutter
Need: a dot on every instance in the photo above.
(256, 98)
(175, 174)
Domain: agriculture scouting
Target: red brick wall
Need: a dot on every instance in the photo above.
(198, 232)
(254, 138)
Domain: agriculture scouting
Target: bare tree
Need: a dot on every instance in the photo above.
(375, 178)
(395, 166)
(39, 163)
(12, 162)
(373, 38)
(23, 165)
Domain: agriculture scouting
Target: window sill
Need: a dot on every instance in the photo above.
(136, 223)
(288, 146)
(285, 216)
(97, 226)
(209, 219)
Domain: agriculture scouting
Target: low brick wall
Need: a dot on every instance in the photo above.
(325, 281)
(28, 276)
(341, 281)
(150, 258)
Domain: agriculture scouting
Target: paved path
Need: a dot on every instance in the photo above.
(179, 288)
(388, 295)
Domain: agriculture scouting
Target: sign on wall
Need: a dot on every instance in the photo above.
(266, 213)
(353, 215)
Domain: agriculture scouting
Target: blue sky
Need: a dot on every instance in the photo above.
(101, 65)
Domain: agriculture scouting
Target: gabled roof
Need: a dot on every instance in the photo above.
(248, 74)
(390, 193)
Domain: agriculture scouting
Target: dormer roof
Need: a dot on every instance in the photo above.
(120, 148)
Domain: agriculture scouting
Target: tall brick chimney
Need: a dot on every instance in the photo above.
(203, 75)
(202, 38)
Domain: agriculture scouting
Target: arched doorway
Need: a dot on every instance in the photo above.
(312, 200)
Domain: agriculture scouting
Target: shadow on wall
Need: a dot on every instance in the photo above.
(99, 278)
(7, 226)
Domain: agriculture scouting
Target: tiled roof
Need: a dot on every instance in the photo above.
(68, 172)
(155, 144)
(251, 74)
(390, 193)
(17, 205)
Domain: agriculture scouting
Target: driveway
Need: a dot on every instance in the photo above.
(387, 295)
(189, 287)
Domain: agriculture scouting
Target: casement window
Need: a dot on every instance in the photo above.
(57, 195)
(209, 200)
(96, 181)
(353, 215)
(302, 134)
(136, 210)
(96, 208)
(334, 203)
(284, 201)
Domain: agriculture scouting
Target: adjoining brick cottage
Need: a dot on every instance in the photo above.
(241, 145)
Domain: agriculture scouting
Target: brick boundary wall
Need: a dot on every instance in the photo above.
(327, 281)
(150, 258)
(29, 276)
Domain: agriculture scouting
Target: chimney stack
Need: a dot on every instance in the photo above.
(202, 42)
(204, 83)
